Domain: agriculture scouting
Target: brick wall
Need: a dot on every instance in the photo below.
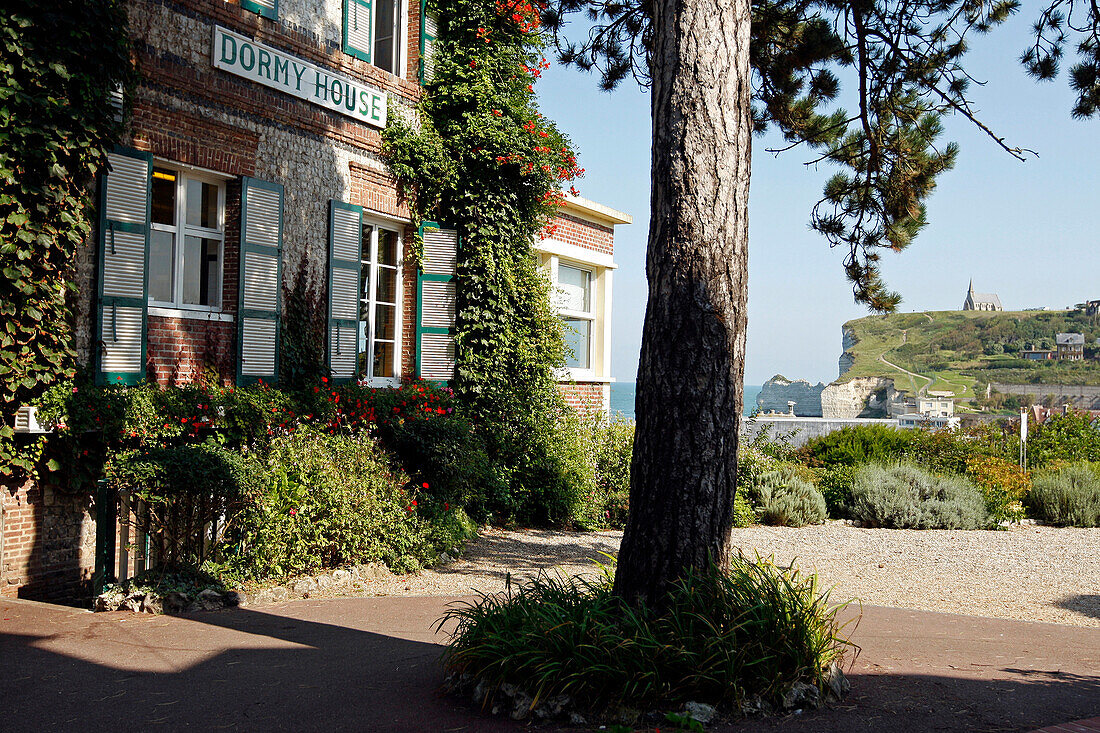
(586, 398)
(48, 544)
(583, 233)
(182, 350)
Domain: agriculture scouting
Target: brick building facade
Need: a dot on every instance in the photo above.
(253, 170)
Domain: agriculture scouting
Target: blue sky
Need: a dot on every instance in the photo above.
(1029, 232)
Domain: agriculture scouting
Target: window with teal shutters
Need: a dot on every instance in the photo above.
(345, 235)
(435, 303)
(261, 275)
(123, 267)
(266, 8)
(359, 28)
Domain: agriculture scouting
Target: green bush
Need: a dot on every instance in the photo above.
(325, 501)
(785, 500)
(1068, 437)
(743, 513)
(1069, 496)
(722, 637)
(835, 485)
(856, 445)
(902, 496)
(949, 451)
(611, 442)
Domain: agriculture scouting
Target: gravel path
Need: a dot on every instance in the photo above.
(1033, 573)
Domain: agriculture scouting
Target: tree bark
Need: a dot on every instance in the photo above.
(689, 396)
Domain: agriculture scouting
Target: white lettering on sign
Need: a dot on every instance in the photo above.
(272, 68)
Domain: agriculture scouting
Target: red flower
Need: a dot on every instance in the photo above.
(425, 485)
(293, 512)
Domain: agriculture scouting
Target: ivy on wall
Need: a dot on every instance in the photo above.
(59, 63)
(483, 160)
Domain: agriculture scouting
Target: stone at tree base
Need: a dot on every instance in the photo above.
(305, 586)
(700, 711)
(836, 683)
(264, 596)
(133, 602)
(152, 603)
(280, 594)
(341, 577)
(577, 719)
(233, 598)
(209, 600)
(521, 705)
(175, 602)
(444, 558)
(802, 695)
(325, 582)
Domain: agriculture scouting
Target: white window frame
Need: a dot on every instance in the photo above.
(181, 229)
(370, 257)
(591, 315)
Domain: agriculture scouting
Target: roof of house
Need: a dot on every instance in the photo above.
(1070, 339)
(591, 209)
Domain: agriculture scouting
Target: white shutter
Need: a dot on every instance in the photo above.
(344, 289)
(123, 247)
(429, 32)
(359, 28)
(435, 327)
(260, 281)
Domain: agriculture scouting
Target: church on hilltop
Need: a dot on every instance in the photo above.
(981, 301)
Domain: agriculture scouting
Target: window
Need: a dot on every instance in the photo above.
(187, 239)
(577, 309)
(372, 32)
(266, 8)
(379, 306)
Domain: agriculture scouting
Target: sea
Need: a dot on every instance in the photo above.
(622, 398)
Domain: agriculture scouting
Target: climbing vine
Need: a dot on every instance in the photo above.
(59, 62)
(482, 159)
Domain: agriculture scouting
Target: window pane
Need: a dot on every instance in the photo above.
(385, 35)
(387, 247)
(385, 321)
(383, 360)
(364, 344)
(201, 270)
(364, 296)
(162, 260)
(577, 333)
(164, 197)
(368, 232)
(387, 285)
(575, 286)
(202, 204)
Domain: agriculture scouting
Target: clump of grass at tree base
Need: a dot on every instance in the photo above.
(1067, 496)
(723, 637)
(903, 496)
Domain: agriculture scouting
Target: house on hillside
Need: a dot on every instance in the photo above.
(935, 410)
(981, 301)
(1070, 346)
(253, 173)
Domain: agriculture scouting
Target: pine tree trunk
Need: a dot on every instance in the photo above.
(693, 343)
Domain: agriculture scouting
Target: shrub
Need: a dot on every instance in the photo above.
(1003, 484)
(326, 501)
(722, 637)
(1069, 496)
(785, 500)
(187, 489)
(1068, 437)
(612, 445)
(743, 514)
(903, 496)
(948, 451)
(835, 485)
(856, 445)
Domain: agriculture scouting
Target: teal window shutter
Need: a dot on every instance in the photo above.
(345, 253)
(429, 32)
(266, 8)
(261, 277)
(435, 303)
(359, 28)
(121, 319)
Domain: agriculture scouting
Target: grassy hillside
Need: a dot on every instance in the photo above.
(958, 350)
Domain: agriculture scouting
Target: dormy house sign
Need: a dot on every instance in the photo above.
(265, 65)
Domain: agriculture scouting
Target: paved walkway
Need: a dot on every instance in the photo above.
(370, 664)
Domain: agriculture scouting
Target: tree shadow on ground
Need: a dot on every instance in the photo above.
(373, 665)
(1082, 603)
(522, 555)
